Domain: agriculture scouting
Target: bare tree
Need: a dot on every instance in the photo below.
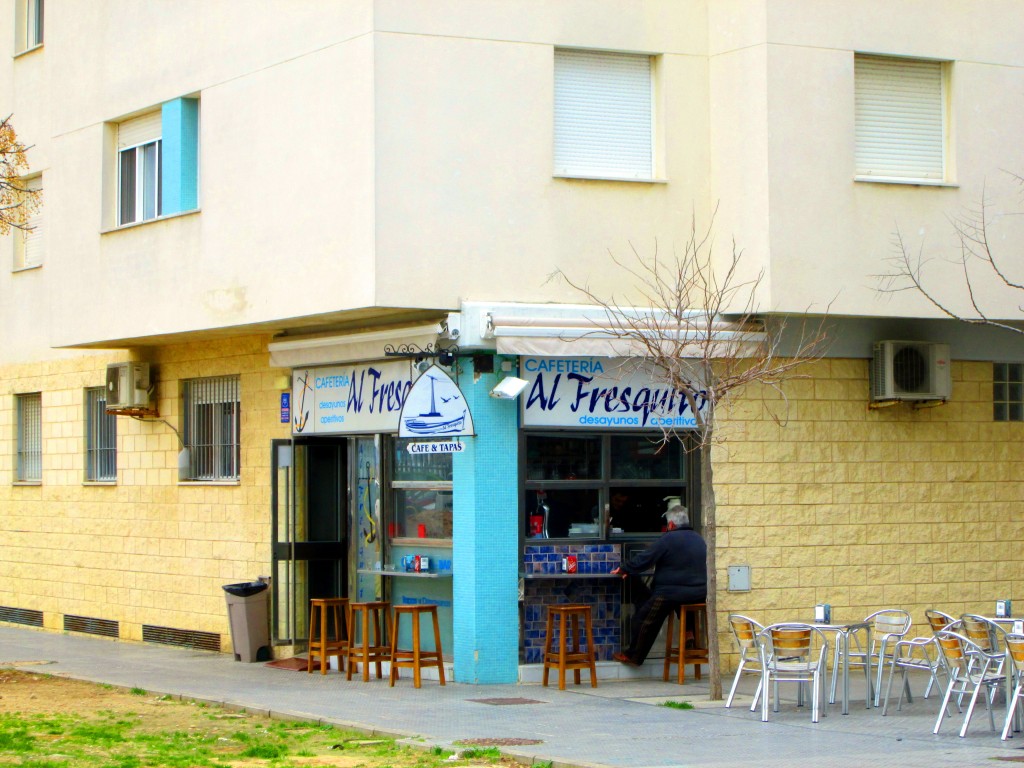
(980, 268)
(17, 201)
(698, 329)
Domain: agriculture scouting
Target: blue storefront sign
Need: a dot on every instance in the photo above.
(602, 393)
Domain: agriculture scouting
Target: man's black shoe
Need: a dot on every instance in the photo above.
(624, 659)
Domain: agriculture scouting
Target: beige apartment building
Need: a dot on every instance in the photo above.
(261, 224)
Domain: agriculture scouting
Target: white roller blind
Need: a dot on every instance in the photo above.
(139, 130)
(900, 118)
(603, 120)
(32, 239)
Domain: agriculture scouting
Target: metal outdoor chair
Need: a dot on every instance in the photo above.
(970, 668)
(987, 635)
(920, 653)
(793, 653)
(1015, 655)
(745, 630)
(887, 626)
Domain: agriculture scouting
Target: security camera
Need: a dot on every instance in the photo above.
(509, 388)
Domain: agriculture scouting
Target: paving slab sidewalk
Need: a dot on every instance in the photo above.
(615, 724)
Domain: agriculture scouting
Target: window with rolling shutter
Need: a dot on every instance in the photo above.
(900, 119)
(603, 115)
(28, 252)
(138, 172)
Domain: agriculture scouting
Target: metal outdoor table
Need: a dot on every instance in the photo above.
(842, 633)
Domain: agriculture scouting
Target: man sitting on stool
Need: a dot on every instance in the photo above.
(679, 558)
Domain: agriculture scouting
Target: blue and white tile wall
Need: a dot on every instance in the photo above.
(604, 595)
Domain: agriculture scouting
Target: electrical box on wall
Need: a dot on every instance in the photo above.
(739, 578)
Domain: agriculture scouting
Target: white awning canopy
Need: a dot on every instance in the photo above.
(327, 350)
(546, 330)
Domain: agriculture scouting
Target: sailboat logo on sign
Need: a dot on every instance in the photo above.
(435, 407)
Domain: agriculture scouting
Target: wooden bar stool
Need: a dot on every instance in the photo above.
(679, 654)
(368, 636)
(322, 612)
(415, 658)
(562, 658)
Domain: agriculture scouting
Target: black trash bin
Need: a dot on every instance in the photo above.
(248, 615)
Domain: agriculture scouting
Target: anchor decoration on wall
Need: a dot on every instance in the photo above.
(435, 407)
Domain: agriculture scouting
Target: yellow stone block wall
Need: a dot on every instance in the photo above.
(839, 503)
(148, 549)
(868, 508)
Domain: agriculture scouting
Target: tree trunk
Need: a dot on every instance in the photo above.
(708, 522)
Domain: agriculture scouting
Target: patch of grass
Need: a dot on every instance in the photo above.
(265, 751)
(137, 691)
(677, 704)
(478, 753)
(15, 737)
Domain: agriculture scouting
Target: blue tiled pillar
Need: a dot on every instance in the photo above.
(180, 138)
(485, 554)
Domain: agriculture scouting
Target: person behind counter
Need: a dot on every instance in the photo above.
(679, 559)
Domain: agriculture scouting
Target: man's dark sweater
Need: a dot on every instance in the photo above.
(679, 559)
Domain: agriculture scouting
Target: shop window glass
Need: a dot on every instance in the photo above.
(601, 485)
(422, 494)
(636, 457)
(563, 458)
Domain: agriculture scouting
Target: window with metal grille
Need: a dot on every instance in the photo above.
(900, 116)
(30, 437)
(100, 437)
(1008, 391)
(603, 115)
(139, 168)
(212, 419)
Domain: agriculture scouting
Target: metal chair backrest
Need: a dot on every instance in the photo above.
(954, 647)
(792, 643)
(745, 630)
(937, 619)
(891, 621)
(984, 633)
(1015, 652)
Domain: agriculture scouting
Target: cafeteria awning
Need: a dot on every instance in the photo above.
(577, 331)
(369, 345)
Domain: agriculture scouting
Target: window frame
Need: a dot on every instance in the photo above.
(438, 489)
(138, 199)
(30, 25)
(883, 135)
(579, 153)
(218, 423)
(100, 438)
(31, 237)
(1007, 405)
(29, 442)
(605, 484)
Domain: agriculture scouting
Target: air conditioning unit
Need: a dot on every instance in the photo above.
(910, 370)
(128, 386)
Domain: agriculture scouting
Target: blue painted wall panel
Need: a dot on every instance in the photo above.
(180, 173)
(486, 538)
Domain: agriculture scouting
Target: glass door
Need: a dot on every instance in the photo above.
(309, 511)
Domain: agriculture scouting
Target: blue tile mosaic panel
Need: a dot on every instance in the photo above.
(604, 595)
